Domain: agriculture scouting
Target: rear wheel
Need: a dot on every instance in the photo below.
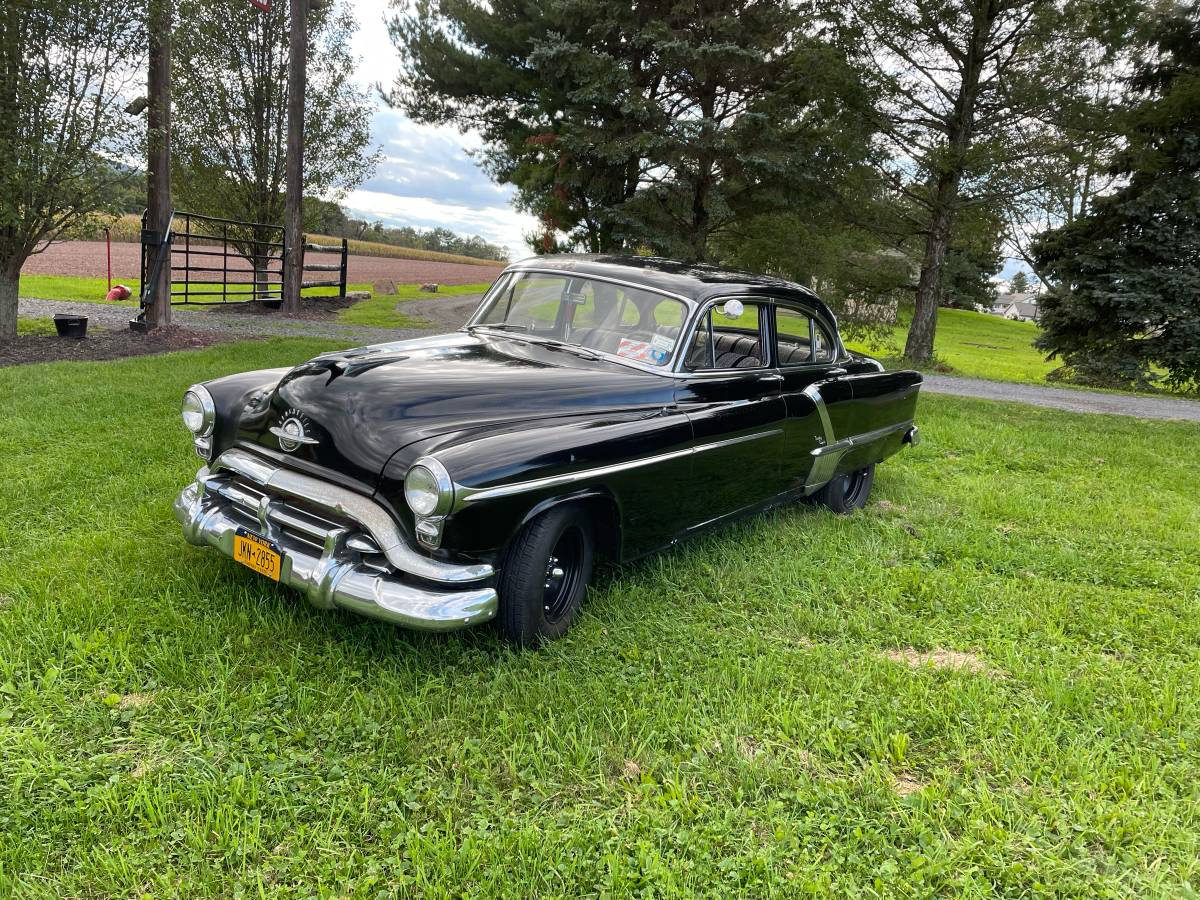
(545, 576)
(848, 492)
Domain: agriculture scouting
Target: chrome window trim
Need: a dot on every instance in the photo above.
(465, 496)
(667, 370)
(702, 310)
(840, 357)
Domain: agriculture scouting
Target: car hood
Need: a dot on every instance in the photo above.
(358, 407)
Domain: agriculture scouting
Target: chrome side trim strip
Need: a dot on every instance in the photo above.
(813, 393)
(467, 495)
(366, 512)
(865, 437)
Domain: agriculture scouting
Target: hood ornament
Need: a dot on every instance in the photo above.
(290, 431)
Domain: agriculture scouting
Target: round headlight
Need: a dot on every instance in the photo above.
(199, 412)
(428, 488)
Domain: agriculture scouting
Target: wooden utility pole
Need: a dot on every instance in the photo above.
(293, 273)
(158, 161)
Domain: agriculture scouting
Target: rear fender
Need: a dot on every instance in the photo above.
(865, 418)
(885, 404)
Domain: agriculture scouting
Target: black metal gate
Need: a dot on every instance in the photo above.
(215, 261)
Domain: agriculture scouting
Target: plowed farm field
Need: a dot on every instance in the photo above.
(87, 258)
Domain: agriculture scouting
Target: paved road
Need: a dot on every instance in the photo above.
(1066, 398)
(447, 314)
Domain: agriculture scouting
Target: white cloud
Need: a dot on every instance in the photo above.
(427, 177)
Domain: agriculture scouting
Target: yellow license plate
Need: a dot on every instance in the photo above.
(257, 553)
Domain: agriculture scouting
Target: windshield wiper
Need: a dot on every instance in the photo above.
(502, 326)
(570, 348)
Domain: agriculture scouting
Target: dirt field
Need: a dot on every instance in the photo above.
(87, 258)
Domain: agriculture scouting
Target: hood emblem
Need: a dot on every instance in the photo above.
(290, 431)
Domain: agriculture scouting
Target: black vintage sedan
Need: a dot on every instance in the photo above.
(592, 405)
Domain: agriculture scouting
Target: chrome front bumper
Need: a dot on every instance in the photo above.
(337, 562)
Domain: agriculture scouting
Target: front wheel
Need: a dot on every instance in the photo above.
(545, 576)
(848, 492)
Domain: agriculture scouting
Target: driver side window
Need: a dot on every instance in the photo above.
(729, 336)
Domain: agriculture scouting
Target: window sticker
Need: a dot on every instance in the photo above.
(660, 348)
(639, 350)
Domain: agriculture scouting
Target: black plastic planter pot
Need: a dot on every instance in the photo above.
(70, 326)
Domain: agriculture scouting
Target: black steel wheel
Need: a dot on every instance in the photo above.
(544, 577)
(848, 492)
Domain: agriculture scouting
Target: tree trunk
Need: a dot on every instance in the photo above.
(919, 346)
(9, 286)
(960, 132)
(158, 159)
(293, 274)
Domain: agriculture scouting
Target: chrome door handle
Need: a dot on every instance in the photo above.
(835, 372)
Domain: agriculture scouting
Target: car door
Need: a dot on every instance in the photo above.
(818, 396)
(731, 394)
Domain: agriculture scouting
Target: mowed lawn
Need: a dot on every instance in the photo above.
(987, 682)
(386, 311)
(84, 289)
(977, 345)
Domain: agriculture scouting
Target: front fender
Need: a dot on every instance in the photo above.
(231, 396)
(640, 459)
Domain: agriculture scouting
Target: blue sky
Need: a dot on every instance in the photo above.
(427, 177)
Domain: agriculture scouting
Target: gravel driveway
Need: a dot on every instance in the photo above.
(449, 313)
(109, 315)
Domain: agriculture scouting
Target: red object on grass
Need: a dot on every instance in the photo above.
(264, 5)
(118, 292)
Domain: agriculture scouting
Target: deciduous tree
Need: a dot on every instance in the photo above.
(967, 85)
(230, 119)
(63, 69)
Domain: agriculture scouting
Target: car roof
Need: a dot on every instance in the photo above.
(693, 281)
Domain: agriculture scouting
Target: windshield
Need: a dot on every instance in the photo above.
(625, 321)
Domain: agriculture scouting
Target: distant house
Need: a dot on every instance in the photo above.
(1018, 307)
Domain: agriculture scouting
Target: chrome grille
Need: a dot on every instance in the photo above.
(249, 504)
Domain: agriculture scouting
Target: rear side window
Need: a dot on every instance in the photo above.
(823, 349)
(730, 336)
(801, 339)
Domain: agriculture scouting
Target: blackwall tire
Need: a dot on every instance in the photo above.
(545, 575)
(848, 492)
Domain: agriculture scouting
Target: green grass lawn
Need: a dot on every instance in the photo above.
(977, 345)
(92, 290)
(736, 717)
(381, 312)
(35, 327)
